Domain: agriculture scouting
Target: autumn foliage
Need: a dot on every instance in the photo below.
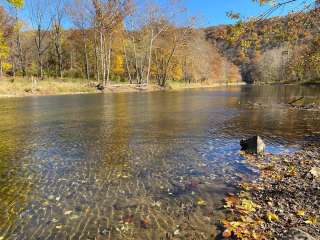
(110, 42)
(285, 47)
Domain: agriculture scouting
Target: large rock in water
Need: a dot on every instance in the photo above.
(253, 145)
(297, 234)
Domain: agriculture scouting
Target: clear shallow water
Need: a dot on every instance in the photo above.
(135, 166)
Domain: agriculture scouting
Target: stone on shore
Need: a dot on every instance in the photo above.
(254, 145)
(100, 87)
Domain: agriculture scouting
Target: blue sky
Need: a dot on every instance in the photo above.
(213, 12)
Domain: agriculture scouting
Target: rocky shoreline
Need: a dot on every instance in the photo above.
(291, 106)
(282, 203)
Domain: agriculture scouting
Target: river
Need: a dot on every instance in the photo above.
(136, 165)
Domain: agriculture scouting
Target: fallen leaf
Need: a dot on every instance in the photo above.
(312, 220)
(144, 224)
(271, 217)
(59, 227)
(244, 194)
(51, 197)
(268, 168)
(73, 217)
(67, 212)
(292, 171)
(300, 213)
(248, 206)
(226, 233)
(156, 204)
(231, 201)
(128, 219)
(201, 202)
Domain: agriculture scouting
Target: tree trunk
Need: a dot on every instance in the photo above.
(127, 63)
(23, 67)
(40, 52)
(166, 67)
(136, 60)
(102, 58)
(1, 70)
(150, 57)
(13, 68)
(71, 60)
(141, 70)
(20, 52)
(96, 56)
(57, 44)
(109, 58)
(40, 73)
(86, 60)
(60, 67)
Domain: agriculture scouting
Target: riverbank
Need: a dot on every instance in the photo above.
(283, 201)
(314, 82)
(21, 87)
(304, 104)
(25, 87)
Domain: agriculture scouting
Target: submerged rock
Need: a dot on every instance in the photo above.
(297, 234)
(253, 145)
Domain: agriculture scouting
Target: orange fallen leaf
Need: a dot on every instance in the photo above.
(226, 233)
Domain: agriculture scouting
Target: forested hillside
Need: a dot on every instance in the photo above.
(122, 41)
(109, 42)
(278, 49)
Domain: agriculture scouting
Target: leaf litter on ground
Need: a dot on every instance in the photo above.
(285, 195)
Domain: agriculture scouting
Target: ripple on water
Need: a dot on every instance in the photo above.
(130, 166)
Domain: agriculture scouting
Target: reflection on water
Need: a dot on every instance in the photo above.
(134, 166)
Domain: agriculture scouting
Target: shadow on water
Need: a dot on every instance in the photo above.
(134, 166)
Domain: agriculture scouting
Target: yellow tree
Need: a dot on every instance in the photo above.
(118, 52)
(4, 49)
(16, 3)
(118, 65)
(4, 53)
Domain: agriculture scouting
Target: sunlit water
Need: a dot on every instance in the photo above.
(135, 166)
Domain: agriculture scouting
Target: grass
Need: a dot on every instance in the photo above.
(23, 86)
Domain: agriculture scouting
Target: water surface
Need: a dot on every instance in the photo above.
(135, 166)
